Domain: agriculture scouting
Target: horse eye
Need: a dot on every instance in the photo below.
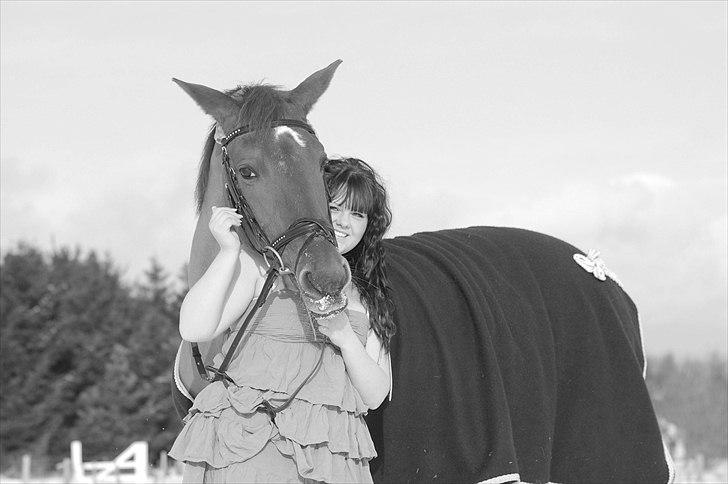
(247, 173)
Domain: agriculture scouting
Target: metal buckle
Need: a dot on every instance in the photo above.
(282, 269)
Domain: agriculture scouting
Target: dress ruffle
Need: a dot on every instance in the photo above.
(264, 365)
(322, 432)
(224, 427)
(316, 462)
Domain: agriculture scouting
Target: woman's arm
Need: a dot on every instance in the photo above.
(370, 375)
(226, 288)
(377, 352)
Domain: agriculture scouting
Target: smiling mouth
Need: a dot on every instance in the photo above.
(340, 234)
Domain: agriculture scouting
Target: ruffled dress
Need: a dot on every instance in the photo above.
(320, 436)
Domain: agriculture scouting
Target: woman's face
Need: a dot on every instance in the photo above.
(348, 224)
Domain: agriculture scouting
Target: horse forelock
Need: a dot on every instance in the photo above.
(260, 105)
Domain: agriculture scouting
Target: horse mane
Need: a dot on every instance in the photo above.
(203, 173)
(260, 105)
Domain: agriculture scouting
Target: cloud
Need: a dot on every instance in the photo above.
(132, 210)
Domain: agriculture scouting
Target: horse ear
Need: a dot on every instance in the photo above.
(215, 103)
(308, 92)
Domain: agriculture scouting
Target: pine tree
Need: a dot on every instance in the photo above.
(84, 356)
(693, 395)
(25, 305)
(153, 346)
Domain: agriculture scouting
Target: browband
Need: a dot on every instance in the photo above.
(274, 124)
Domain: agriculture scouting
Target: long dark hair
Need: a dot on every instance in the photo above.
(361, 189)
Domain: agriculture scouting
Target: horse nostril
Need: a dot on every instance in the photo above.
(324, 283)
(308, 285)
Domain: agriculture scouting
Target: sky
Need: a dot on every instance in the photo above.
(603, 124)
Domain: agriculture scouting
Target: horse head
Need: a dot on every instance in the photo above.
(263, 151)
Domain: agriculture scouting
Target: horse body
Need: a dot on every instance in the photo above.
(511, 362)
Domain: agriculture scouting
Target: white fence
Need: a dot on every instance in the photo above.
(131, 466)
(133, 458)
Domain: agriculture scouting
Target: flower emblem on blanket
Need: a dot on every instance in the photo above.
(592, 262)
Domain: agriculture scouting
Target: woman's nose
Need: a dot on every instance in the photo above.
(341, 220)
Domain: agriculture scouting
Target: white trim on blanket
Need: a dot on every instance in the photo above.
(508, 478)
(670, 464)
(502, 479)
(177, 379)
(642, 345)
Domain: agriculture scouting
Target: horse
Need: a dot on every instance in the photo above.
(517, 358)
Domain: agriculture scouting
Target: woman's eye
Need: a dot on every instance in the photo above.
(333, 208)
(247, 173)
(358, 214)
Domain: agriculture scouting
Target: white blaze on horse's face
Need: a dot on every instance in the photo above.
(286, 130)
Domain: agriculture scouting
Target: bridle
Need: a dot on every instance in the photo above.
(272, 254)
(253, 231)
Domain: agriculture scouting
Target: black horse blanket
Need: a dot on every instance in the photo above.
(512, 363)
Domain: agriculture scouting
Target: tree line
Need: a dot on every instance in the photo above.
(692, 394)
(86, 356)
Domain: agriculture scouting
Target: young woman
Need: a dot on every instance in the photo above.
(230, 434)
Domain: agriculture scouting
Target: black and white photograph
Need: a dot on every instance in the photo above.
(479, 242)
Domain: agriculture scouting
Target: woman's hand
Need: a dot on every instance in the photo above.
(338, 330)
(369, 378)
(222, 223)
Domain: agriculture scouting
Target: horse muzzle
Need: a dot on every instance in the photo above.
(322, 274)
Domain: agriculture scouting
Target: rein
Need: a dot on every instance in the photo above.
(271, 252)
